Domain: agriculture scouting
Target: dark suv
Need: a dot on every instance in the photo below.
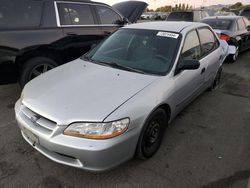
(189, 16)
(38, 35)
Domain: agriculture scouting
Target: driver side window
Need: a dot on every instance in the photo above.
(191, 48)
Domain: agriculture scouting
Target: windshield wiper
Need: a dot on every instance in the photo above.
(112, 64)
(94, 61)
(116, 65)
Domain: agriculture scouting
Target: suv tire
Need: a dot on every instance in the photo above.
(34, 67)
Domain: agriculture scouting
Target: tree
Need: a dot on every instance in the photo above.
(237, 5)
(179, 6)
(183, 7)
(176, 7)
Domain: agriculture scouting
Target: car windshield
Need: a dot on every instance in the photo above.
(221, 24)
(180, 16)
(144, 51)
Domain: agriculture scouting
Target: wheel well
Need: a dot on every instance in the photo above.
(52, 54)
(167, 109)
(239, 43)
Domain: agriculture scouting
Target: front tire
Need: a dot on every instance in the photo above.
(152, 134)
(35, 67)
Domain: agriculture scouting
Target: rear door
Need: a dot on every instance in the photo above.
(108, 19)
(211, 54)
(80, 27)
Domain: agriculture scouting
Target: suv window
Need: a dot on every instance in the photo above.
(241, 24)
(75, 14)
(191, 48)
(107, 15)
(16, 14)
(208, 41)
(180, 16)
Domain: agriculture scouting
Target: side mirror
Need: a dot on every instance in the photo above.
(121, 22)
(188, 65)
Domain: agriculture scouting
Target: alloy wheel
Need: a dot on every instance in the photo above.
(40, 69)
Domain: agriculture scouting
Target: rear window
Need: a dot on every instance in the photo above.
(246, 13)
(180, 16)
(14, 14)
(219, 24)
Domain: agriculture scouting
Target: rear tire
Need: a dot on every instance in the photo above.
(152, 134)
(35, 67)
(233, 57)
(216, 81)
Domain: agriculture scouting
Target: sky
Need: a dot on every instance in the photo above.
(195, 3)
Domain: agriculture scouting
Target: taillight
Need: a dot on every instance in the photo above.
(225, 37)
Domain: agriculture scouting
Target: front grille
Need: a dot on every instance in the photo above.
(35, 121)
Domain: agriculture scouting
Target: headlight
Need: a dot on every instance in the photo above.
(97, 130)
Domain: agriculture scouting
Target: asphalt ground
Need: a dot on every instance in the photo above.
(207, 145)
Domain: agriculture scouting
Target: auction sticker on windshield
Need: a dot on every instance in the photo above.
(167, 34)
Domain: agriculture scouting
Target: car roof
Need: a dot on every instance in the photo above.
(82, 1)
(165, 26)
(223, 17)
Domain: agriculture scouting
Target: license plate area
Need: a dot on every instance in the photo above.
(31, 136)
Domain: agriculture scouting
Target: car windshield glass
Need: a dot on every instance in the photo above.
(144, 51)
(219, 23)
(180, 16)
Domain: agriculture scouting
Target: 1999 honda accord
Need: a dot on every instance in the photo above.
(114, 103)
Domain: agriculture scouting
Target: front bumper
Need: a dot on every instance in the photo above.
(88, 154)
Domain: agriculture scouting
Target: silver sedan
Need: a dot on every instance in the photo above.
(114, 102)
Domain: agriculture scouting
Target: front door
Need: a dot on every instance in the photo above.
(189, 82)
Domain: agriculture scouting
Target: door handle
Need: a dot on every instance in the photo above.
(71, 34)
(203, 70)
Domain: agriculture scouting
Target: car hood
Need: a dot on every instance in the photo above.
(82, 91)
(132, 10)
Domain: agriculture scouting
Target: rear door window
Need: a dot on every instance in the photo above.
(75, 14)
(14, 14)
(107, 15)
(191, 48)
(208, 41)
